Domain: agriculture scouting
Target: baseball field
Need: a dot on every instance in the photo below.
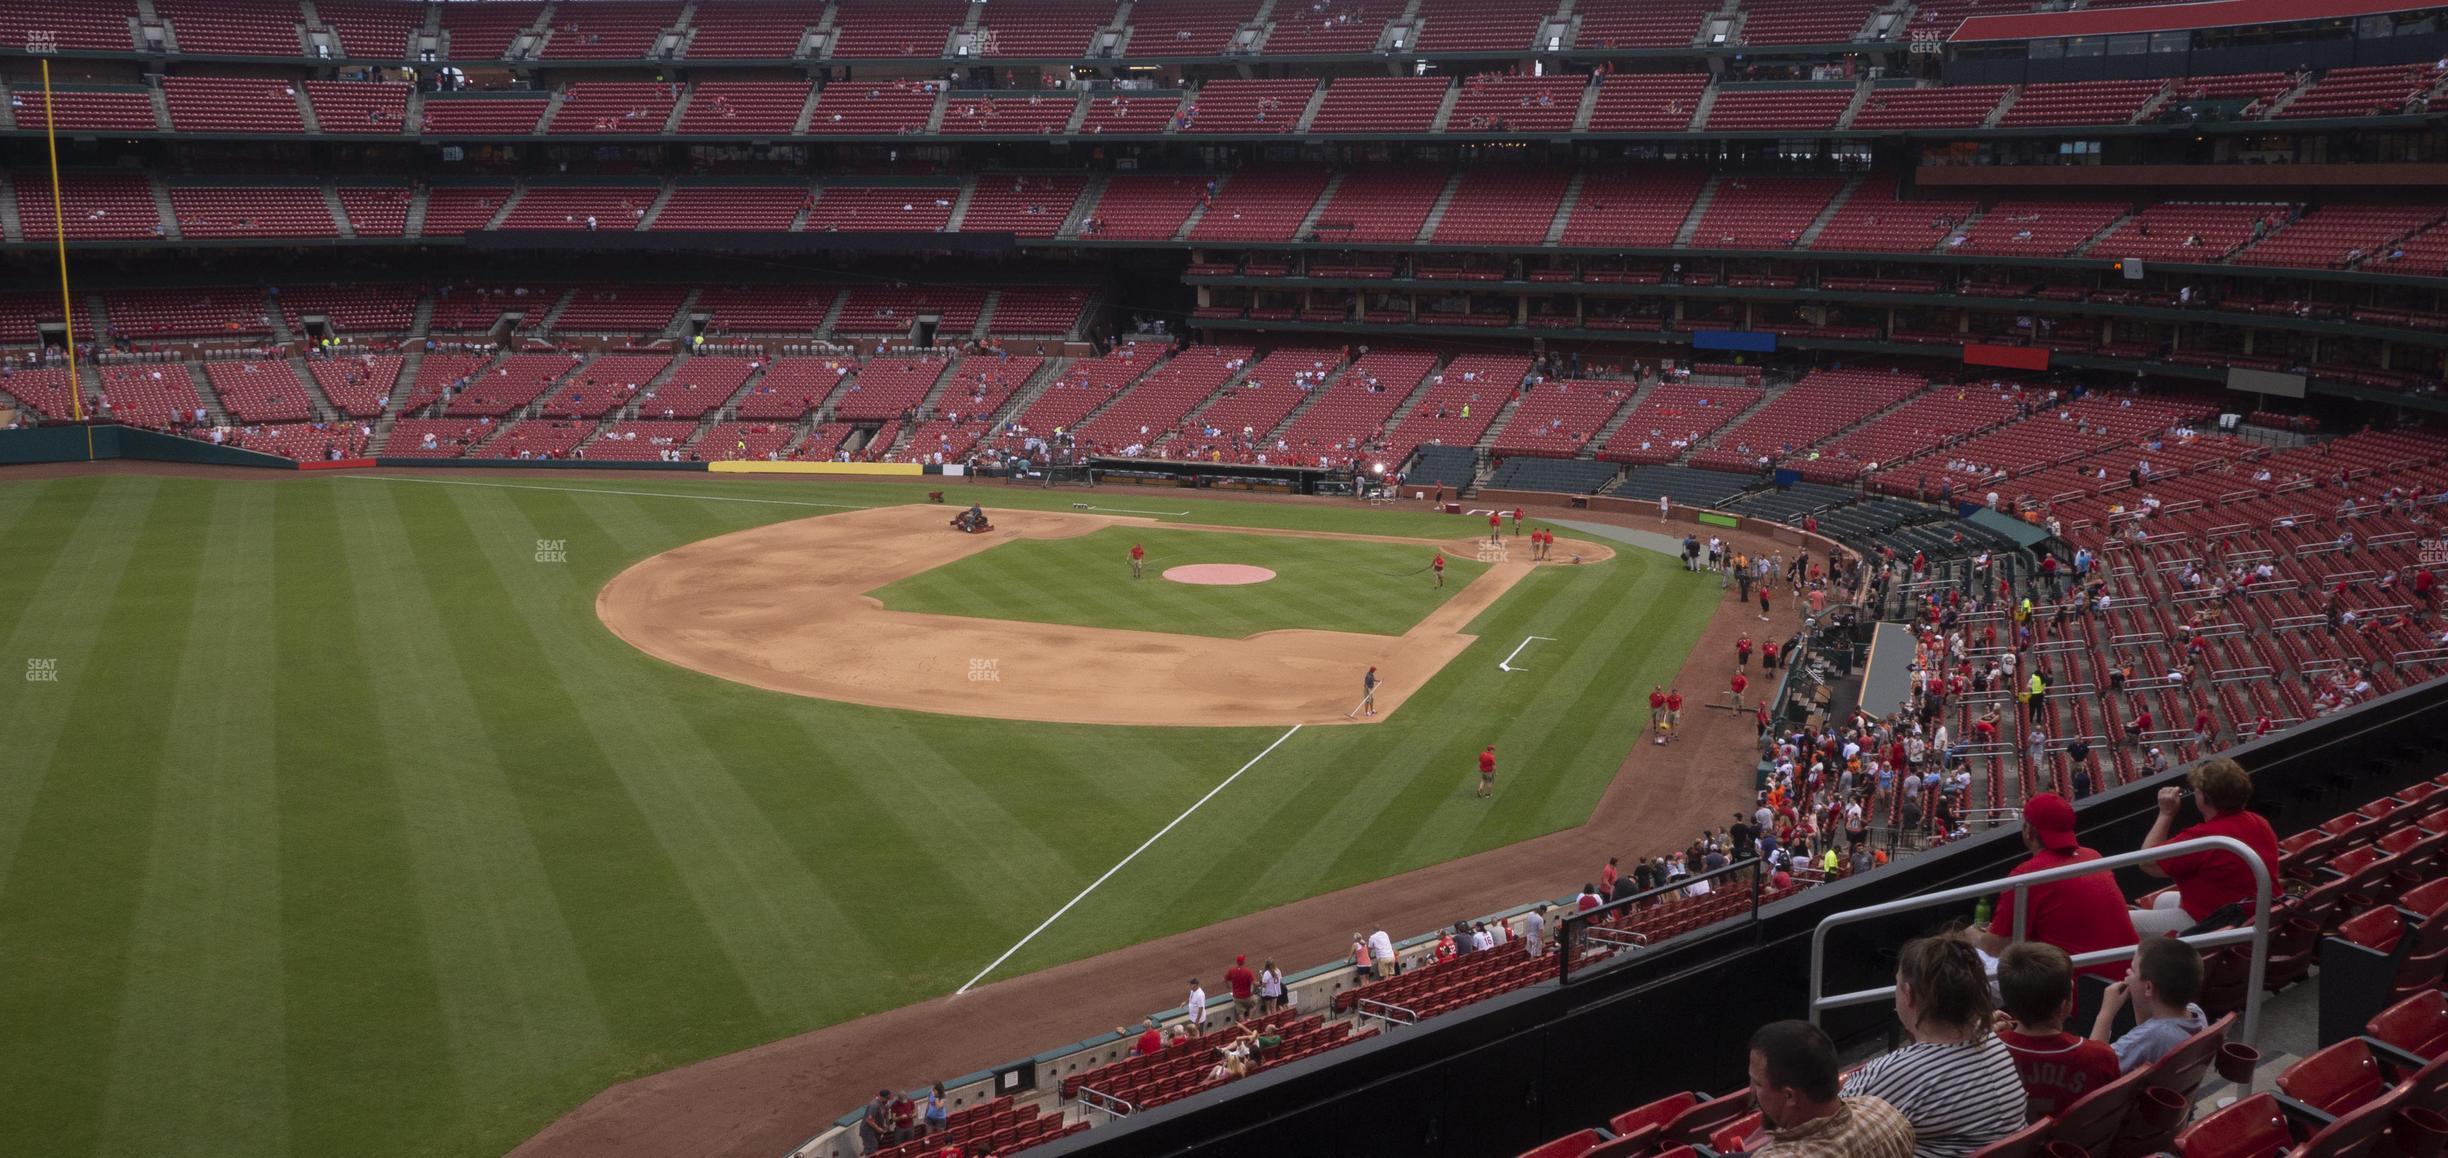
(343, 815)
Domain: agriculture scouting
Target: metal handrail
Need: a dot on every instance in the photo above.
(2258, 935)
(1568, 929)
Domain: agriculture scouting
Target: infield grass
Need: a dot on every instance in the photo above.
(345, 827)
(1322, 584)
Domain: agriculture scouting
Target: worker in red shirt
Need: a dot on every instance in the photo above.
(1438, 565)
(1138, 560)
(1495, 528)
(1657, 706)
(1517, 518)
(1244, 986)
(1742, 651)
(1487, 771)
(1741, 682)
(1674, 711)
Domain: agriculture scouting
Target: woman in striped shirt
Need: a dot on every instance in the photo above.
(1956, 1082)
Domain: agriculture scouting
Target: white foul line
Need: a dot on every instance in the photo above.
(1092, 885)
(460, 482)
(1131, 511)
(1507, 664)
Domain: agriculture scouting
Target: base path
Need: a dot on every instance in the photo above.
(784, 607)
(758, 1103)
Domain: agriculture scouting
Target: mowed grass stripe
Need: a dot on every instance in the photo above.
(1321, 584)
(362, 1014)
(785, 897)
(201, 1051)
(72, 891)
(637, 929)
(513, 987)
(768, 915)
(54, 595)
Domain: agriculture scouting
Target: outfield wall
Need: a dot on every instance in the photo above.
(1514, 1071)
(98, 441)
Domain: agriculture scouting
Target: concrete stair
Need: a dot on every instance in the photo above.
(1325, 196)
(414, 226)
(169, 217)
(1757, 405)
(1700, 204)
(306, 112)
(2003, 107)
(2289, 96)
(1436, 212)
(833, 315)
(314, 391)
(339, 212)
(2150, 108)
(1700, 108)
(204, 391)
(1589, 102)
(960, 207)
(1853, 108)
(2085, 248)
(935, 114)
(677, 328)
(1615, 421)
(1309, 111)
(552, 313)
(807, 109)
(420, 326)
(1564, 209)
(10, 227)
(1085, 207)
(1828, 214)
(1445, 108)
(663, 197)
(161, 110)
(503, 214)
(671, 123)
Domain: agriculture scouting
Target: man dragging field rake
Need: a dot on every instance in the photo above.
(1368, 696)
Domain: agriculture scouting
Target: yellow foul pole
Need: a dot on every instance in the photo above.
(59, 234)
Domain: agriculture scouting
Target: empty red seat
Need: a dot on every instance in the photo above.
(2337, 1079)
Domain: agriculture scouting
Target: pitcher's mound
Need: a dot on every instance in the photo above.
(1218, 574)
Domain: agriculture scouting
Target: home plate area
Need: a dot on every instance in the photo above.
(1218, 574)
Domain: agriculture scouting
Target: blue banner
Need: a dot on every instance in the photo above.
(1751, 341)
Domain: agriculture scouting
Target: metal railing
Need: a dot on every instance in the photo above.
(2020, 886)
(1572, 930)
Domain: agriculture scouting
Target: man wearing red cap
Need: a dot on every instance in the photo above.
(1244, 985)
(1495, 528)
(1138, 560)
(1487, 771)
(1438, 564)
(2079, 915)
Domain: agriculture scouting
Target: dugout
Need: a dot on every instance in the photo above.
(1501, 1076)
(1222, 476)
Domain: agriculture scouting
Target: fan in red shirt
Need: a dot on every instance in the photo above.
(2079, 915)
(2210, 880)
(2036, 993)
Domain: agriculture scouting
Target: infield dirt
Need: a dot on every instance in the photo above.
(783, 607)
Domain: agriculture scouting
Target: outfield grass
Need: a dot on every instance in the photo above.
(346, 827)
(1324, 584)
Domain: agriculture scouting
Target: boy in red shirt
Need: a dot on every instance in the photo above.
(2036, 994)
(2035, 990)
